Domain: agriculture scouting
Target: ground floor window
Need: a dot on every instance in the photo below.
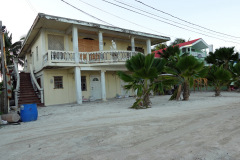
(83, 83)
(58, 82)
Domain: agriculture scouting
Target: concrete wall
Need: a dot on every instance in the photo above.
(68, 93)
(37, 58)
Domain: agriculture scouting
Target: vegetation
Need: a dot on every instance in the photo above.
(235, 70)
(144, 70)
(186, 69)
(222, 56)
(177, 41)
(12, 49)
(171, 51)
(146, 73)
(218, 77)
(160, 46)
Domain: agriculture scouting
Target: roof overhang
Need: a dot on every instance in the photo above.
(44, 21)
(199, 44)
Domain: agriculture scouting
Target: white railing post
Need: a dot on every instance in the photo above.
(35, 84)
(49, 57)
(41, 93)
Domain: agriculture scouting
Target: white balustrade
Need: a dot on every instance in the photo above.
(88, 57)
(36, 86)
(61, 56)
(196, 54)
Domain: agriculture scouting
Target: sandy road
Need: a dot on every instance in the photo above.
(193, 130)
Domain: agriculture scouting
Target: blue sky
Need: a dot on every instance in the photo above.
(217, 15)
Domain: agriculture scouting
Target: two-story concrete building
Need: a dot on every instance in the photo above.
(73, 61)
(197, 48)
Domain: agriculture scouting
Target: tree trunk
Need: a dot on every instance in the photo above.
(146, 100)
(179, 92)
(186, 93)
(217, 91)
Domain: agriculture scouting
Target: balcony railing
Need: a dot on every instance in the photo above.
(199, 54)
(53, 56)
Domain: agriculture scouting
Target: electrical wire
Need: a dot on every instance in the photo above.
(87, 13)
(166, 18)
(125, 19)
(167, 22)
(184, 20)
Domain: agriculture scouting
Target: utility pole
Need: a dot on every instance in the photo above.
(4, 88)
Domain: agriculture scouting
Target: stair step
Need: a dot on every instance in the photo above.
(26, 93)
(29, 98)
(28, 102)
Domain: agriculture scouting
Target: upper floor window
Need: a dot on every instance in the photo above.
(55, 42)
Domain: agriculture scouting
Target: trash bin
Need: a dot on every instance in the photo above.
(29, 112)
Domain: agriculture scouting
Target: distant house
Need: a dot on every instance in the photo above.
(73, 60)
(196, 47)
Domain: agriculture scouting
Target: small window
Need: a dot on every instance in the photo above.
(184, 50)
(95, 79)
(58, 82)
(37, 52)
(83, 83)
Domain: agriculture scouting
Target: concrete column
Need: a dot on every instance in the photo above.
(66, 45)
(75, 43)
(190, 50)
(210, 48)
(148, 46)
(43, 40)
(133, 44)
(103, 85)
(77, 76)
(77, 69)
(100, 38)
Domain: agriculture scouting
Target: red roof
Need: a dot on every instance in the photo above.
(180, 45)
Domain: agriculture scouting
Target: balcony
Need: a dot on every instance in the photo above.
(199, 54)
(54, 56)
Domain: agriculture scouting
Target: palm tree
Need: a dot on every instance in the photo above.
(184, 69)
(160, 46)
(143, 71)
(169, 51)
(12, 49)
(218, 77)
(235, 70)
(222, 56)
(190, 68)
(177, 41)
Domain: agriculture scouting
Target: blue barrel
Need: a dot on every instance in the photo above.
(29, 112)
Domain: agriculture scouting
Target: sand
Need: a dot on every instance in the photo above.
(203, 128)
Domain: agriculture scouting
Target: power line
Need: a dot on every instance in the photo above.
(124, 19)
(166, 22)
(167, 19)
(184, 20)
(87, 13)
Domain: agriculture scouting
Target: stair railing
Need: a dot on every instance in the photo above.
(16, 75)
(35, 84)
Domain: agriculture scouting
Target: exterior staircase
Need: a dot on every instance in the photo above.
(27, 95)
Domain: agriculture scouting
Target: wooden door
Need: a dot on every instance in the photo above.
(86, 45)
